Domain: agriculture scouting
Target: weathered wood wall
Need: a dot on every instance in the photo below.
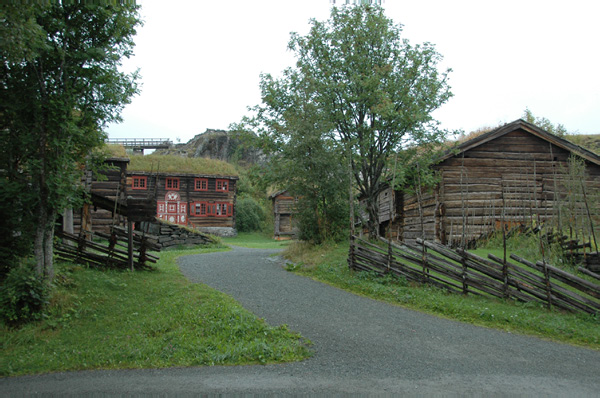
(184, 198)
(516, 178)
(111, 186)
(284, 208)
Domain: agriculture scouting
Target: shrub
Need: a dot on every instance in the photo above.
(22, 295)
(249, 215)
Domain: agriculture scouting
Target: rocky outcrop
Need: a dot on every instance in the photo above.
(229, 146)
(172, 235)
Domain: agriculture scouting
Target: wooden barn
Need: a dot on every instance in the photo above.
(284, 208)
(515, 174)
(188, 197)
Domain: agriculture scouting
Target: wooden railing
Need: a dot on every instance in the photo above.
(463, 272)
(145, 143)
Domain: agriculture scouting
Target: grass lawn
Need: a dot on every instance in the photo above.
(256, 240)
(328, 263)
(118, 320)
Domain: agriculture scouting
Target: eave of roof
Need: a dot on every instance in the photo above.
(530, 128)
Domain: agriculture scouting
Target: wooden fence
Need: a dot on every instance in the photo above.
(460, 271)
(123, 250)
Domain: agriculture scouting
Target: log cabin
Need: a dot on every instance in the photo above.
(284, 208)
(515, 174)
(189, 196)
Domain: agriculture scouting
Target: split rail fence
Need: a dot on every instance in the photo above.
(121, 251)
(460, 271)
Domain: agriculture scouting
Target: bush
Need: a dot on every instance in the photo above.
(22, 295)
(249, 215)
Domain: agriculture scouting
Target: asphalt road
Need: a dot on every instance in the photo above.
(361, 347)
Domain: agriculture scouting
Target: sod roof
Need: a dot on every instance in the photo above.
(180, 165)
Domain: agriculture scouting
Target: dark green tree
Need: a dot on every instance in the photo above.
(303, 159)
(374, 94)
(60, 85)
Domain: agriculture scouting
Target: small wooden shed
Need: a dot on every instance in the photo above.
(284, 209)
(515, 174)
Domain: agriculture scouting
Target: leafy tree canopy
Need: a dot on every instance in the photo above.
(61, 84)
(358, 84)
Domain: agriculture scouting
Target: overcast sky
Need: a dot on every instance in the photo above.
(200, 61)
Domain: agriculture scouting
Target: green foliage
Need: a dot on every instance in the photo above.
(61, 85)
(123, 320)
(249, 215)
(22, 295)
(360, 92)
(324, 216)
(17, 224)
(544, 124)
(525, 245)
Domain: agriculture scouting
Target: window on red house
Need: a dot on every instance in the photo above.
(200, 208)
(205, 209)
(172, 184)
(139, 182)
(211, 209)
(201, 184)
(222, 185)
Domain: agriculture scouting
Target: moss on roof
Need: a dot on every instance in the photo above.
(112, 151)
(180, 164)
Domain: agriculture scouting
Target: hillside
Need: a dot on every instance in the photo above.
(591, 142)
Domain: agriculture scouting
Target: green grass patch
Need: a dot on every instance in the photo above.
(119, 320)
(328, 263)
(256, 240)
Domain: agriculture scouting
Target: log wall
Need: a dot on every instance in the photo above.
(181, 204)
(517, 178)
(113, 187)
(284, 208)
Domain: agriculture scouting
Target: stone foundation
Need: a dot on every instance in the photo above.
(172, 235)
(224, 232)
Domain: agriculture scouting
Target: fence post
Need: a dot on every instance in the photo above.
(547, 282)
(130, 244)
(351, 253)
(464, 274)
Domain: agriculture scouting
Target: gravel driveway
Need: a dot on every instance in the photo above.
(361, 346)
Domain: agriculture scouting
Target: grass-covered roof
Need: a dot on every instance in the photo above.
(180, 165)
(112, 151)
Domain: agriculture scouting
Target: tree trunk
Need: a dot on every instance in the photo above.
(68, 220)
(49, 248)
(43, 243)
(38, 244)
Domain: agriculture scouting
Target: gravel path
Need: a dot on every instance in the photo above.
(361, 346)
